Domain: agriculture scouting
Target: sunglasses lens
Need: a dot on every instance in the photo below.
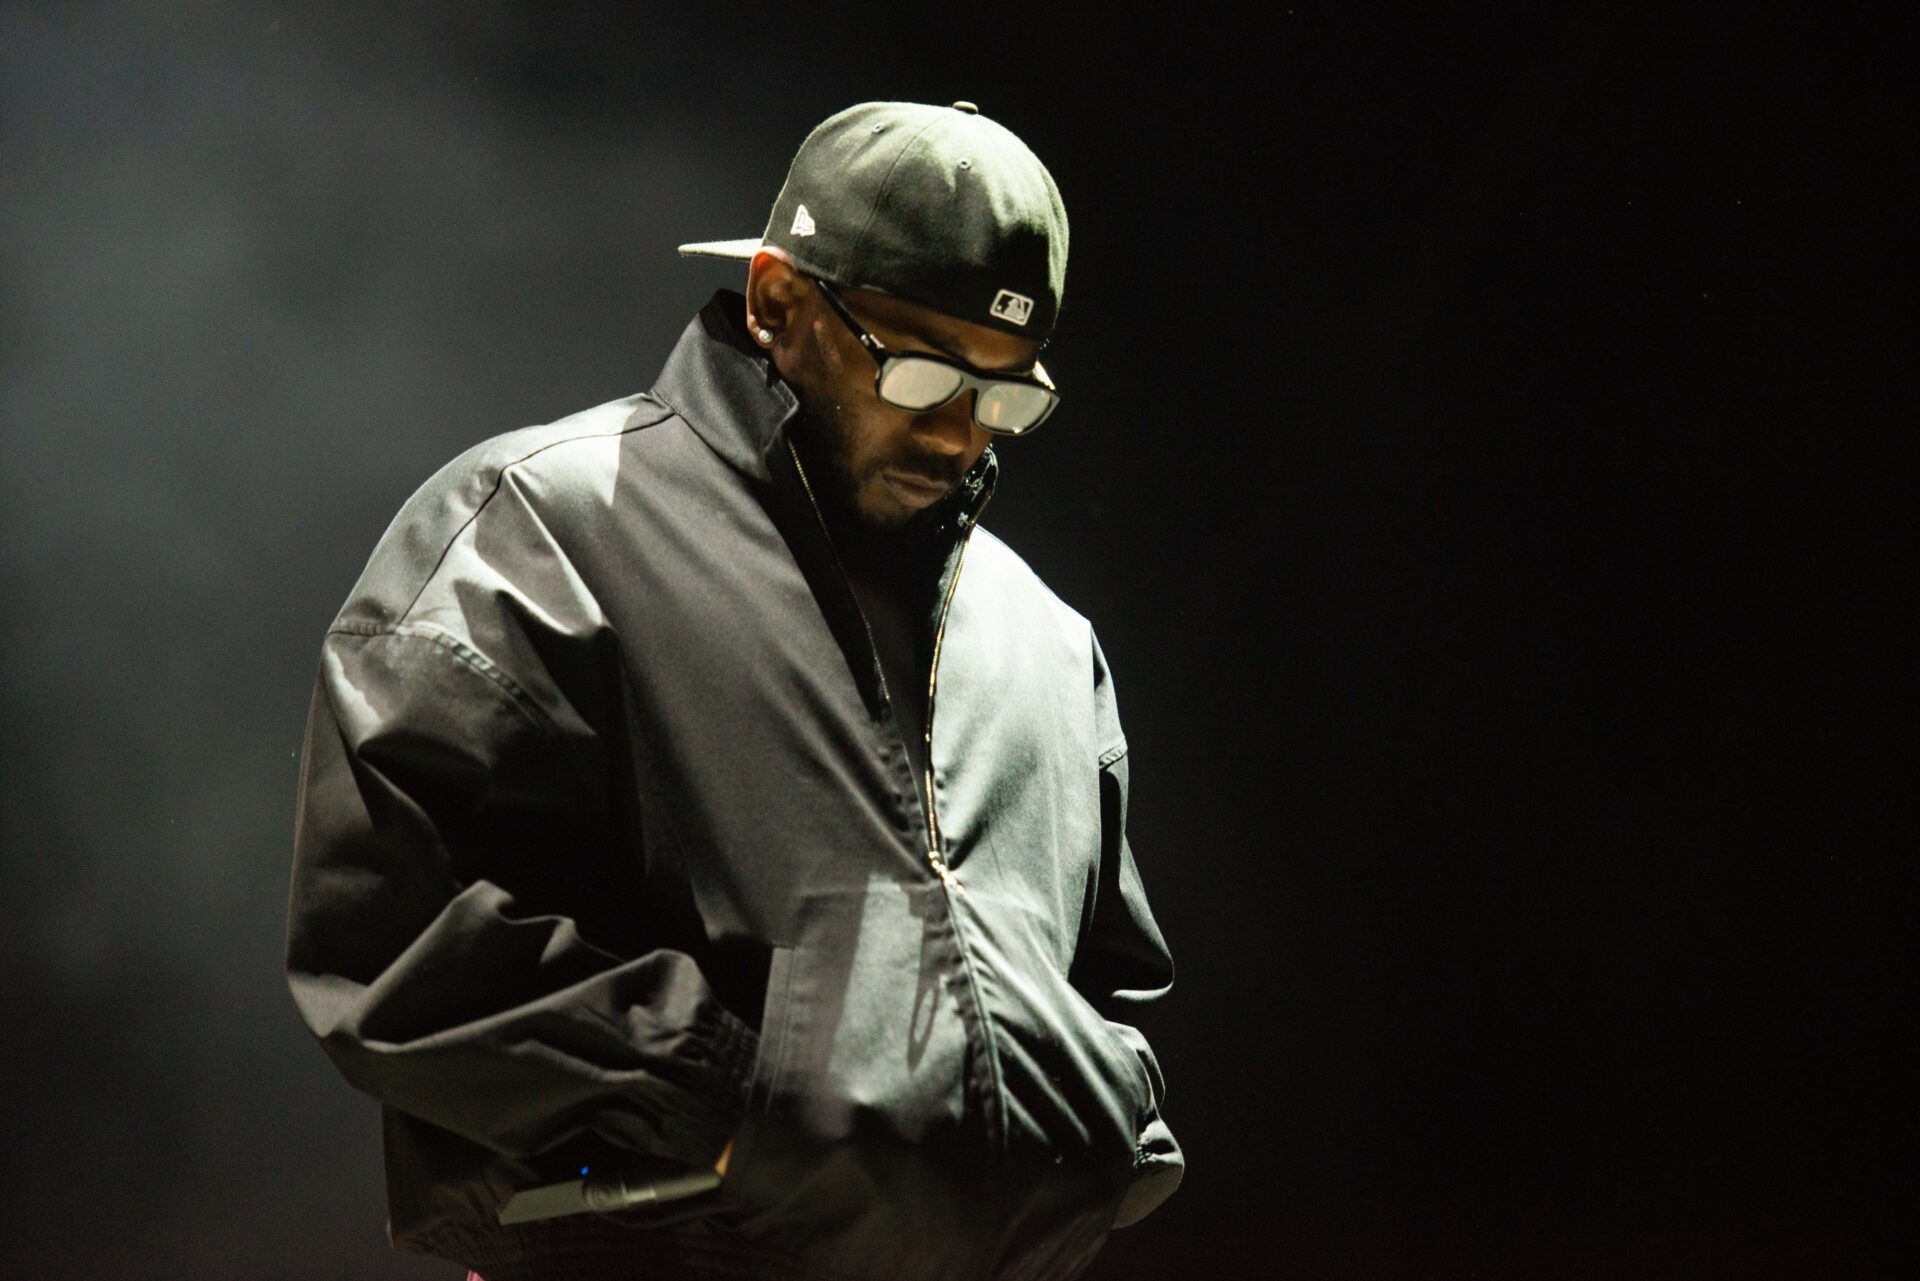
(918, 384)
(1013, 407)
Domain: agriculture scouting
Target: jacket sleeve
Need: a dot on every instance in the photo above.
(429, 947)
(1122, 963)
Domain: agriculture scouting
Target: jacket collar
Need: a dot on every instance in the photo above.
(726, 388)
(730, 394)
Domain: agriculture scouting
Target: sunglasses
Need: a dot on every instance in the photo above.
(1006, 405)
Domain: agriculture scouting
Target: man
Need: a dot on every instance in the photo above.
(711, 844)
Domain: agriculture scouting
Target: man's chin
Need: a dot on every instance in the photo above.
(889, 526)
(881, 508)
(880, 518)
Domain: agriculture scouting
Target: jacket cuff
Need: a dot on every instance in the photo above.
(1158, 1165)
(719, 1104)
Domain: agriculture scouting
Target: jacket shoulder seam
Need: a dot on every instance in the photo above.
(629, 424)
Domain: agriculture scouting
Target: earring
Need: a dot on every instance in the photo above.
(764, 335)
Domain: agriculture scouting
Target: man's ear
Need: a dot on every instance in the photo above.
(774, 291)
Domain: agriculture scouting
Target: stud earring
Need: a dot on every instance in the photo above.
(764, 335)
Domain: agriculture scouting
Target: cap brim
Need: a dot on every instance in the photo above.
(744, 250)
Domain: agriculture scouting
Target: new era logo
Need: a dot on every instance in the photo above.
(1007, 305)
(802, 222)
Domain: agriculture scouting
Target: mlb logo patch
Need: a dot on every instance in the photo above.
(1009, 306)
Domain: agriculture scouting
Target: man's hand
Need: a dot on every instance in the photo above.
(720, 1166)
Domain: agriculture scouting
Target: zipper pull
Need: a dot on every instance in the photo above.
(946, 873)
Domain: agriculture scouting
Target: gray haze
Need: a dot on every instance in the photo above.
(263, 272)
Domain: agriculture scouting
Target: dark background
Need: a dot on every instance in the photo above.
(1456, 460)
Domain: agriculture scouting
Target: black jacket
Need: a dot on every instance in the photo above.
(609, 849)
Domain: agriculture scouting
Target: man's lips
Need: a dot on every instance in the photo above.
(915, 489)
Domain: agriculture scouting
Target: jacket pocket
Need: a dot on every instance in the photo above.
(1076, 1092)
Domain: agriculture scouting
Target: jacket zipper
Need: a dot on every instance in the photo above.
(935, 855)
(936, 849)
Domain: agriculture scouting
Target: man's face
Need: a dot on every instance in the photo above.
(881, 465)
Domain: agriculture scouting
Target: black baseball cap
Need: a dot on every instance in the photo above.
(938, 206)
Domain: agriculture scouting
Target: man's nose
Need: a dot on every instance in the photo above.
(950, 429)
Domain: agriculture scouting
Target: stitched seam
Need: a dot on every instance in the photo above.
(1113, 753)
(472, 659)
(873, 211)
(627, 426)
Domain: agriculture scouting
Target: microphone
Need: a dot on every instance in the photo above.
(602, 1194)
